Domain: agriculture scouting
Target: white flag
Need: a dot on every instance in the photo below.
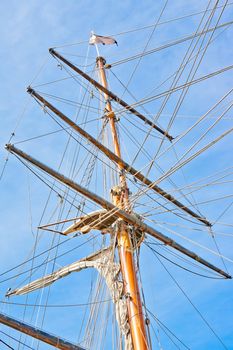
(99, 39)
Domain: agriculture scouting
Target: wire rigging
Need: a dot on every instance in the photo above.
(191, 303)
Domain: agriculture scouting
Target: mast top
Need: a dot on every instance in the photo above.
(101, 59)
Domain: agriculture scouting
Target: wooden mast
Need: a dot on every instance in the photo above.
(120, 197)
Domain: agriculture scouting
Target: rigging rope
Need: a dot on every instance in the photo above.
(193, 305)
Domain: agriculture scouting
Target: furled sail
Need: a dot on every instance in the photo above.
(102, 261)
(95, 260)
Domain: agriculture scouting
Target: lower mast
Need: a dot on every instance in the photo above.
(120, 198)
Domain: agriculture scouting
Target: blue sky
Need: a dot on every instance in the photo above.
(28, 30)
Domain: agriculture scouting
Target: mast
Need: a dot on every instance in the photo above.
(120, 198)
(120, 207)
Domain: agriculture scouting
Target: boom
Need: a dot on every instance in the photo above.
(129, 218)
(110, 94)
(152, 185)
(34, 332)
